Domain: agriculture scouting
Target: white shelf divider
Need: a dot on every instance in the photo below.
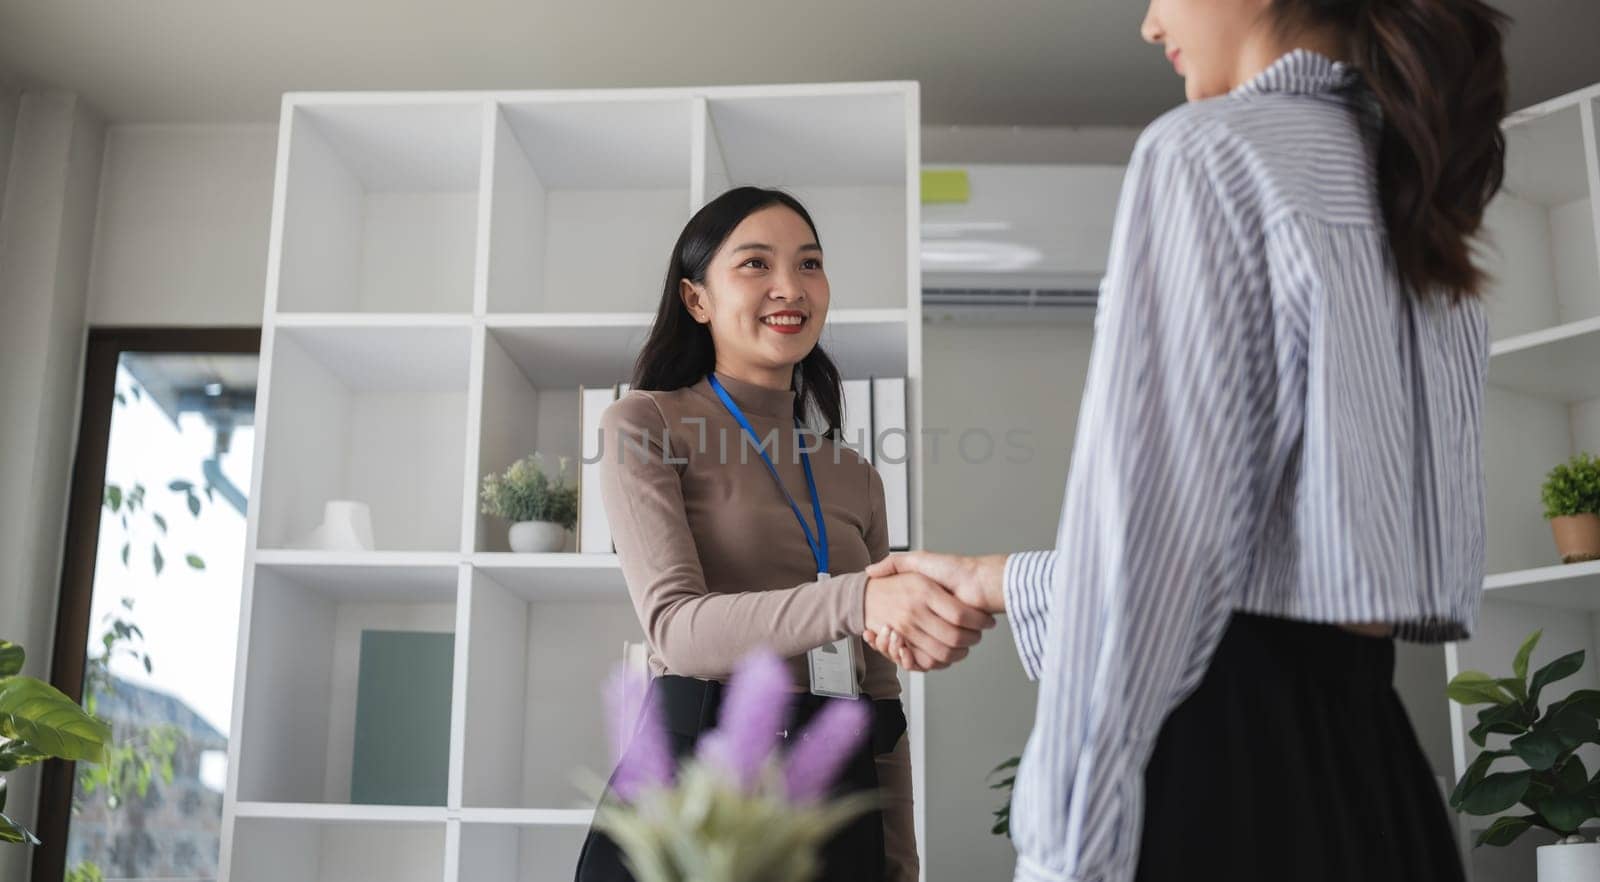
(1568, 586)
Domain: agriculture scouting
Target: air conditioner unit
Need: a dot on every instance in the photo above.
(1030, 240)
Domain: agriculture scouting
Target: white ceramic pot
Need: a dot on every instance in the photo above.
(346, 526)
(1571, 862)
(537, 537)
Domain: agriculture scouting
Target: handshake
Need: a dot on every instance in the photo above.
(925, 610)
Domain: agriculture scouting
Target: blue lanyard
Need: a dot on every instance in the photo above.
(818, 543)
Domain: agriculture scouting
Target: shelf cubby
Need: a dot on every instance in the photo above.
(538, 654)
(371, 414)
(844, 158)
(588, 197)
(297, 732)
(1540, 240)
(380, 210)
(304, 850)
(507, 852)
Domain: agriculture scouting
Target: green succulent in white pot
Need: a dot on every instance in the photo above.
(540, 510)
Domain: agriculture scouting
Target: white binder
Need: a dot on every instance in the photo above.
(892, 446)
(856, 417)
(594, 534)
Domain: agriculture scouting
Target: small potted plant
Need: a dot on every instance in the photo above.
(1572, 504)
(541, 511)
(1540, 769)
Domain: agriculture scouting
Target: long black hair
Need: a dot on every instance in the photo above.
(1439, 74)
(679, 351)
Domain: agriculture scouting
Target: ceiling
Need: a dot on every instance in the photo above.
(981, 62)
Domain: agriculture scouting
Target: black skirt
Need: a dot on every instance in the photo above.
(689, 707)
(1294, 760)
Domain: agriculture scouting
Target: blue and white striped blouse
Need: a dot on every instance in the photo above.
(1270, 425)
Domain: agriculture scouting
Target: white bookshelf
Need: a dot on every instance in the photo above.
(1542, 405)
(445, 271)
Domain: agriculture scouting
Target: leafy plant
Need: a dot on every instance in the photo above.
(739, 810)
(133, 758)
(38, 722)
(1007, 773)
(1573, 487)
(1552, 783)
(525, 493)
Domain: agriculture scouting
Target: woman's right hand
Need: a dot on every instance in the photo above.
(937, 628)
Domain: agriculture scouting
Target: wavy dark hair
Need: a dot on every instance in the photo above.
(679, 351)
(1439, 74)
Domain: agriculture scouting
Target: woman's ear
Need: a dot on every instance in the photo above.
(694, 300)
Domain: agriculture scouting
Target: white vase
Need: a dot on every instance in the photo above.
(346, 526)
(537, 537)
(1572, 862)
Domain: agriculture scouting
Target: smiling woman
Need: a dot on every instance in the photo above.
(706, 533)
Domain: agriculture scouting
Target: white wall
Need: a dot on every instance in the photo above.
(184, 214)
(46, 226)
(10, 100)
(998, 377)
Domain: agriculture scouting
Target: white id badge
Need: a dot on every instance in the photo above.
(833, 667)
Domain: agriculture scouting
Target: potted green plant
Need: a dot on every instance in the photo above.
(37, 723)
(1539, 766)
(540, 510)
(1572, 504)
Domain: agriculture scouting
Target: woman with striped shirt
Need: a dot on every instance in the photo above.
(1278, 466)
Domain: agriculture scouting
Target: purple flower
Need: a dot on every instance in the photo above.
(638, 739)
(753, 711)
(824, 748)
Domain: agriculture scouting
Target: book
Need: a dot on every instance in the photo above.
(892, 447)
(594, 534)
(402, 731)
(856, 417)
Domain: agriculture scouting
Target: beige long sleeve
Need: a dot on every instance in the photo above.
(715, 561)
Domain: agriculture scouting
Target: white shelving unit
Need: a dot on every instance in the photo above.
(445, 271)
(1542, 404)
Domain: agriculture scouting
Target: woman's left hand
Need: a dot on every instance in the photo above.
(888, 644)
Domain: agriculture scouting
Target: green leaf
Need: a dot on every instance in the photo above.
(122, 399)
(114, 497)
(1505, 830)
(1517, 687)
(1573, 724)
(180, 486)
(161, 522)
(135, 391)
(1539, 749)
(1496, 793)
(1560, 669)
(16, 754)
(1565, 812)
(11, 831)
(37, 713)
(1572, 777)
(11, 658)
(126, 547)
(1519, 666)
(195, 562)
(157, 559)
(1475, 773)
(194, 505)
(1476, 687)
(1505, 719)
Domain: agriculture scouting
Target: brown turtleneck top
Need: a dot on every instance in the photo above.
(714, 559)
